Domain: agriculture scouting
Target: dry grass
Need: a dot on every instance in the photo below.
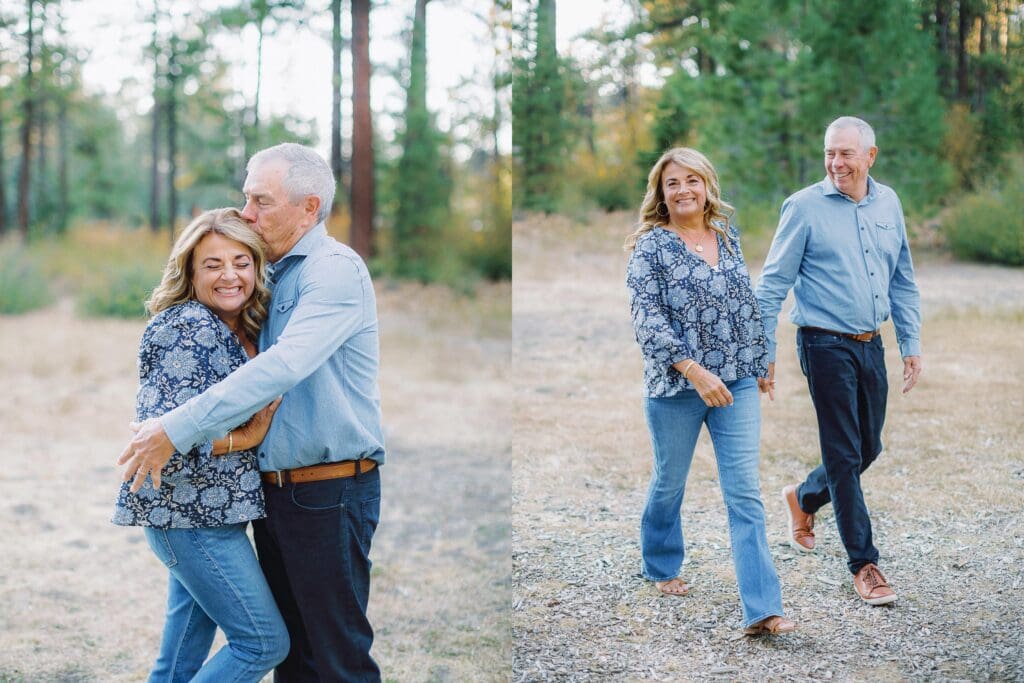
(82, 600)
(947, 495)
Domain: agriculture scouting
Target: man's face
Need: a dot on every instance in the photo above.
(270, 211)
(847, 164)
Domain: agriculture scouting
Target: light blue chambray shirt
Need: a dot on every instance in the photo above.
(847, 262)
(319, 348)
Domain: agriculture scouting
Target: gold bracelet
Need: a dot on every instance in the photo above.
(231, 444)
(686, 368)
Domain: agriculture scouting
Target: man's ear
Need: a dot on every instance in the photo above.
(311, 208)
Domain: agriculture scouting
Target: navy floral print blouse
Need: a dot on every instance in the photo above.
(683, 308)
(185, 350)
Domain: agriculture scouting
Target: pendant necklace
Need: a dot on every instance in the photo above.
(699, 247)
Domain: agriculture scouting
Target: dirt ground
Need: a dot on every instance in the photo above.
(946, 495)
(82, 600)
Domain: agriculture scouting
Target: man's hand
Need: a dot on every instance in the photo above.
(767, 384)
(911, 371)
(146, 453)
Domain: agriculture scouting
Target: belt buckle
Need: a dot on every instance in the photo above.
(278, 479)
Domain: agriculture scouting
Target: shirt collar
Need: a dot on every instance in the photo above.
(305, 244)
(828, 188)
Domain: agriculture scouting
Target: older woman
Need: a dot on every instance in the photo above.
(703, 344)
(207, 312)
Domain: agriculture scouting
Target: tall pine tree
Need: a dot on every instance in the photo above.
(540, 133)
(422, 177)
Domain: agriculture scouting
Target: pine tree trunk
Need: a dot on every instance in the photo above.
(259, 79)
(3, 175)
(963, 27)
(154, 142)
(25, 173)
(337, 165)
(62, 132)
(363, 185)
(942, 44)
(172, 138)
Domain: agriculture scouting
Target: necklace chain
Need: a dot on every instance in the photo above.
(699, 247)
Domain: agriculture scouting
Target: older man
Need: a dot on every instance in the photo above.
(841, 245)
(319, 461)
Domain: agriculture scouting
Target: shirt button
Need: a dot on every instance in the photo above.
(872, 273)
(865, 251)
(263, 455)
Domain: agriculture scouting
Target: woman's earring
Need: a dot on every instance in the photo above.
(658, 209)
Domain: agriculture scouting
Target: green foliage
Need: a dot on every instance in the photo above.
(541, 131)
(769, 77)
(107, 182)
(23, 285)
(120, 291)
(422, 179)
(986, 225)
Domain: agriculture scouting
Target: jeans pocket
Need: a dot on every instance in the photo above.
(822, 341)
(318, 496)
(370, 510)
(161, 546)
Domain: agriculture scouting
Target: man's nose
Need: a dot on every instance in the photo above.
(247, 212)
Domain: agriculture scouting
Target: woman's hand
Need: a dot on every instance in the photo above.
(767, 384)
(709, 387)
(250, 434)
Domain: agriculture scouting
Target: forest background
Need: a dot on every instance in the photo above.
(422, 194)
(753, 84)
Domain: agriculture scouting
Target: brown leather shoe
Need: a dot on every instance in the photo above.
(801, 524)
(872, 587)
(772, 626)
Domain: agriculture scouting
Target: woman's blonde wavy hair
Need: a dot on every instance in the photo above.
(176, 285)
(716, 211)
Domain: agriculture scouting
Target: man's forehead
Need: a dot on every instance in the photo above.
(264, 174)
(843, 138)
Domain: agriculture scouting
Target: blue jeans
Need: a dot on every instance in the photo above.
(848, 387)
(314, 548)
(215, 581)
(675, 423)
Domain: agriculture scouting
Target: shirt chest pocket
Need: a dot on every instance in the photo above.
(888, 237)
(282, 312)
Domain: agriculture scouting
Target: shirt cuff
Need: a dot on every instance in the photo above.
(910, 347)
(181, 429)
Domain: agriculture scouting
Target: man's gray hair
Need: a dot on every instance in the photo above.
(308, 173)
(865, 132)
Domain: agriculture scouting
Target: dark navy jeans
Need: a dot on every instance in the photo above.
(848, 387)
(314, 548)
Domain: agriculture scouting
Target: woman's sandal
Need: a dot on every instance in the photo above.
(772, 626)
(676, 587)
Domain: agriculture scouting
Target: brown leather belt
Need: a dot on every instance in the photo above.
(862, 337)
(332, 470)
